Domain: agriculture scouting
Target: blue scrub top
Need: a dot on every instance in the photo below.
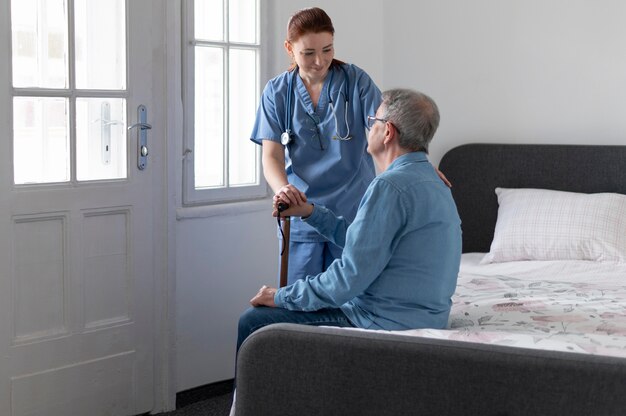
(333, 173)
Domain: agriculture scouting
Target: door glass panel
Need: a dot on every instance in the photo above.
(100, 28)
(100, 138)
(242, 88)
(242, 21)
(208, 19)
(46, 129)
(39, 32)
(40, 140)
(209, 117)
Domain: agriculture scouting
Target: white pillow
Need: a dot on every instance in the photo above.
(539, 224)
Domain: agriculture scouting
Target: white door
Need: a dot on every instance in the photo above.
(77, 246)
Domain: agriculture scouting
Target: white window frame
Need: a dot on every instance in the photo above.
(227, 193)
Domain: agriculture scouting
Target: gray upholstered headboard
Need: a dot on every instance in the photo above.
(475, 170)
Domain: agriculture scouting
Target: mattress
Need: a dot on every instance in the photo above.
(576, 306)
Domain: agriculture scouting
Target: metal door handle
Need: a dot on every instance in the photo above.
(142, 136)
(105, 132)
(141, 126)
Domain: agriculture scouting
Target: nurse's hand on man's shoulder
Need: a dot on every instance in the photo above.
(443, 177)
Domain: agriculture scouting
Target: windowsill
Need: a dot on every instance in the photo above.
(232, 208)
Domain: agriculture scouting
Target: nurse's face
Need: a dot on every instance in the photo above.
(313, 52)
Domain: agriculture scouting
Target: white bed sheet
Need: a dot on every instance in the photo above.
(577, 306)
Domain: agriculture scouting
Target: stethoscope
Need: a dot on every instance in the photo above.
(287, 138)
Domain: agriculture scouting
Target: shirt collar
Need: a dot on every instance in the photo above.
(411, 157)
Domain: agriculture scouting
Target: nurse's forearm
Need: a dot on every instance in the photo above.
(274, 171)
(275, 175)
(274, 165)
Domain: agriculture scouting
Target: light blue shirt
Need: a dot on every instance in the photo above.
(401, 254)
(332, 173)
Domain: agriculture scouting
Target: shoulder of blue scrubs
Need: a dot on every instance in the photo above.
(364, 89)
(279, 80)
(360, 76)
(270, 116)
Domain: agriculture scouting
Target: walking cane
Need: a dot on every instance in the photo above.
(285, 229)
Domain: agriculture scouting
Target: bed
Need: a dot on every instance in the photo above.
(538, 323)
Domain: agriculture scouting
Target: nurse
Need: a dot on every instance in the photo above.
(312, 123)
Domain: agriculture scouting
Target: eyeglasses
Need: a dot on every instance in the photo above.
(372, 119)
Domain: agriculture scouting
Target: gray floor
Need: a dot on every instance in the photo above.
(210, 400)
(215, 406)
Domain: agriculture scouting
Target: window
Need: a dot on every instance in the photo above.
(69, 91)
(221, 89)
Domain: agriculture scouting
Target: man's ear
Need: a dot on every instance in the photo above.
(390, 133)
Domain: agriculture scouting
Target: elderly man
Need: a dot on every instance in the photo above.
(401, 253)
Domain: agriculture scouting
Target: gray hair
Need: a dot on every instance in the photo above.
(415, 116)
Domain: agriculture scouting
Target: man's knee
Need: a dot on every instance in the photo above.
(251, 320)
(246, 320)
(255, 318)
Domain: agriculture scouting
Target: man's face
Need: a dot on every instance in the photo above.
(377, 132)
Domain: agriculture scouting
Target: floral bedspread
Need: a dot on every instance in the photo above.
(563, 306)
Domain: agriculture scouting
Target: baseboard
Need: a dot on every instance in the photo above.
(187, 397)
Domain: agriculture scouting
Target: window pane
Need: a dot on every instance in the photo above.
(242, 21)
(41, 149)
(100, 28)
(243, 91)
(39, 33)
(209, 19)
(209, 117)
(101, 143)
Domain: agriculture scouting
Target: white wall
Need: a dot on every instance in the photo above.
(527, 71)
(222, 260)
(501, 71)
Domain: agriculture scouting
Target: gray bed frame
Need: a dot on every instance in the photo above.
(287, 369)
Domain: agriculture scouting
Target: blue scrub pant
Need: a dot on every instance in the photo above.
(256, 318)
(308, 258)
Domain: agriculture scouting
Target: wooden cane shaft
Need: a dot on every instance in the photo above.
(284, 258)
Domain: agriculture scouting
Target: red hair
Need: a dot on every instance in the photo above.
(309, 20)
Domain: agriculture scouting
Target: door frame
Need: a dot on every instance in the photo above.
(164, 120)
(171, 164)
